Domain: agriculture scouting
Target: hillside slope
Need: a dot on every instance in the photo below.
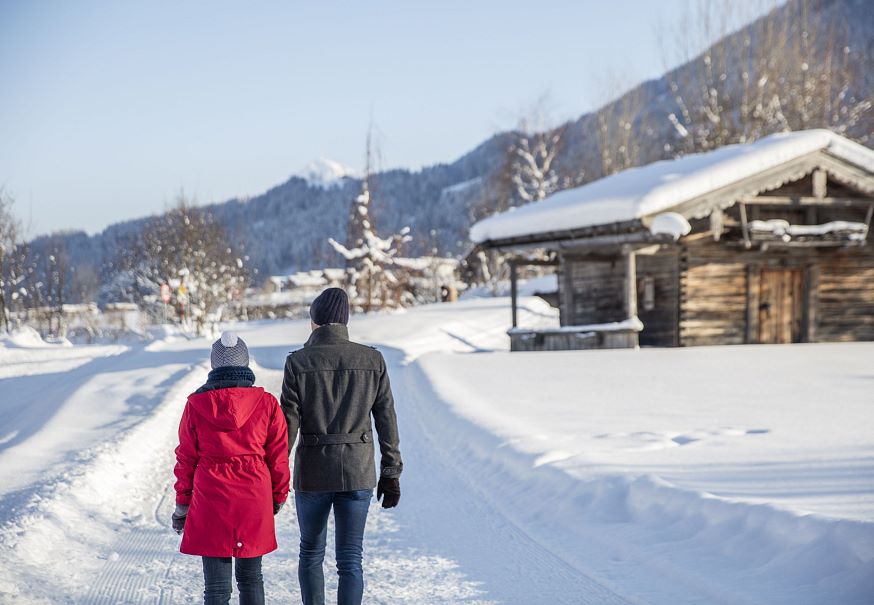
(287, 227)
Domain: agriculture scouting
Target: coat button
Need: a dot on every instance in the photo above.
(239, 545)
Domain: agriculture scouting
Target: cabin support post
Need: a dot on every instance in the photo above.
(630, 283)
(811, 302)
(754, 272)
(514, 291)
(744, 226)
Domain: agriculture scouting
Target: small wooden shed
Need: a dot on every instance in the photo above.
(765, 242)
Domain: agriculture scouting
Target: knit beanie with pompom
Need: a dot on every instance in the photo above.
(229, 350)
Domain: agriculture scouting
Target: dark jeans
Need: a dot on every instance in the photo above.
(217, 581)
(350, 516)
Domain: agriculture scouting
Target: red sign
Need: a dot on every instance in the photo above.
(165, 293)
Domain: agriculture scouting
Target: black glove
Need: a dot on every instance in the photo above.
(277, 506)
(389, 489)
(179, 516)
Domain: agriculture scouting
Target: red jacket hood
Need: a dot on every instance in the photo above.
(226, 409)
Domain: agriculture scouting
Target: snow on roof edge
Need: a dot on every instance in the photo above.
(659, 186)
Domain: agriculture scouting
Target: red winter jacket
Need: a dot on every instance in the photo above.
(231, 466)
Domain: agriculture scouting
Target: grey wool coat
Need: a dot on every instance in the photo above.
(330, 390)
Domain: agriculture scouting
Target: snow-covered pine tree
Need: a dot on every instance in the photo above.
(369, 257)
(372, 283)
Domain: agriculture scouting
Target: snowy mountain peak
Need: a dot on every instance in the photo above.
(324, 172)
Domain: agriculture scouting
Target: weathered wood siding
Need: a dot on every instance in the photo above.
(713, 294)
(660, 324)
(720, 288)
(572, 341)
(845, 296)
(592, 290)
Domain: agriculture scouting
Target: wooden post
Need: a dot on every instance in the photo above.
(820, 181)
(744, 226)
(754, 273)
(630, 283)
(811, 302)
(513, 291)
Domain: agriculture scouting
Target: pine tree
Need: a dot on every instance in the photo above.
(369, 256)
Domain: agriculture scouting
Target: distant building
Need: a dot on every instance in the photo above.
(766, 242)
(290, 295)
(423, 279)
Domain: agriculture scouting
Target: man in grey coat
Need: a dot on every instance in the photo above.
(330, 390)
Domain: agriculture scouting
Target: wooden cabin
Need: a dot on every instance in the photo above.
(766, 242)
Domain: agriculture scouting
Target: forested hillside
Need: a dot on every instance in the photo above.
(807, 64)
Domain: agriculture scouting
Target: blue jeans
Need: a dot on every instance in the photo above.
(217, 581)
(350, 516)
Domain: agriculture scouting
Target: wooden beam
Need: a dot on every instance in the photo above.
(820, 180)
(803, 200)
(743, 225)
(778, 243)
(523, 262)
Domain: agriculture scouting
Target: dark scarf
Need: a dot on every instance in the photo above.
(228, 377)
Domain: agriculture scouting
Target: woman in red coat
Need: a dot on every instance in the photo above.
(232, 474)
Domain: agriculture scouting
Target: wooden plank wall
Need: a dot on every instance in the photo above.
(845, 292)
(660, 327)
(719, 289)
(713, 294)
(595, 289)
(572, 341)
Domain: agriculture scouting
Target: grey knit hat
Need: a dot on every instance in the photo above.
(229, 350)
(330, 307)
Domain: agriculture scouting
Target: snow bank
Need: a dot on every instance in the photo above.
(648, 190)
(24, 337)
(764, 495)
(76, 518)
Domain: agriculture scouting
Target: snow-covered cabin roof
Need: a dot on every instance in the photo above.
(658, 187)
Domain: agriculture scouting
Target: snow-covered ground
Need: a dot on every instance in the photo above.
(703, 475)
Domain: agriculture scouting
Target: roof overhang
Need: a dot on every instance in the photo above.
(637, 231)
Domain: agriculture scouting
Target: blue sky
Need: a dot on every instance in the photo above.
(109, 108)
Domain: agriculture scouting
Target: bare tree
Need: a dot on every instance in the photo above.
(619, 125)
(532, 154)
(57, 265)
(10, 232)
(189, 250)
(786, 71)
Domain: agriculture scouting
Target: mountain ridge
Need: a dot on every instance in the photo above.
(286, 228)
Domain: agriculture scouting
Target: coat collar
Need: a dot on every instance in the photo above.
(328, 334)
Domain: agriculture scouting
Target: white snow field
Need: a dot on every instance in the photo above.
(701, 475)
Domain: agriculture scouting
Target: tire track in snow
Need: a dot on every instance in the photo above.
(450, 512)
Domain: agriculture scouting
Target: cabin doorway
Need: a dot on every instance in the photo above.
(780, 306)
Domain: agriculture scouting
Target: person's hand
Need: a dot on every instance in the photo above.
(179, 516)
(277, 506)
(389, 489)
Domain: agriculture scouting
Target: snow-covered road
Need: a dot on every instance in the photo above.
(498, 502)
